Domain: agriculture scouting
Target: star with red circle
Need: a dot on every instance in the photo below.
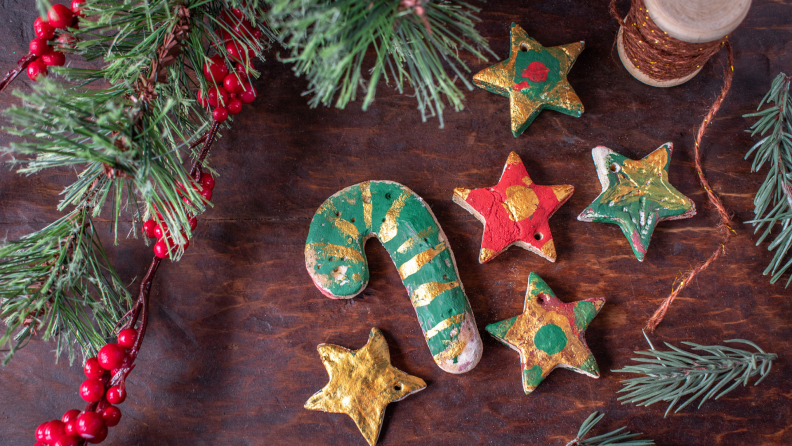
(515, 211)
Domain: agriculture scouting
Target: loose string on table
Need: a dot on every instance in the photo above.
(663, 58)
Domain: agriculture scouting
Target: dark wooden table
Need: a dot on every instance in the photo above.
(231, 358)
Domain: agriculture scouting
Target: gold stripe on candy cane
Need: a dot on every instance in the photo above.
(347, 227)
(451, 352)
(365, 192)
(443, 325)
(415, 239)
(425, 294)
(412, 266)
(336, 250)
(388, 230)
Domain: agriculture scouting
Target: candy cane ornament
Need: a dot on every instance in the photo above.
(407, 228)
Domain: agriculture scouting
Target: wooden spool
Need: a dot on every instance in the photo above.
(694, 21)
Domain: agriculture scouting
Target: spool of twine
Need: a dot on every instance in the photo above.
(665, 43)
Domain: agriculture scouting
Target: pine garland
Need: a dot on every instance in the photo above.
(773, 202)
(616, 437)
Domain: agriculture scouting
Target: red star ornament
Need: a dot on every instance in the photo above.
(515, 211)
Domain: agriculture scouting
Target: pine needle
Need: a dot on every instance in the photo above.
(618, 437)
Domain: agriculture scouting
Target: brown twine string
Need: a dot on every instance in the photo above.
(663, 58)
(654, 52)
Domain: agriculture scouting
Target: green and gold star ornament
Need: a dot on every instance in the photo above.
(362, 383)
(636, 195)
(549, 334)
(533, 78)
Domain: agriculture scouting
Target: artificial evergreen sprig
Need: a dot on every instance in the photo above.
(415, 43)
(773, 201)
(676, 374)
(617, 437)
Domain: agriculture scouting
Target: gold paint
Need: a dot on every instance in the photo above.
(453, 350)
(513, 158)
(415, 239)
(521, 202)
(388, 230)
(425, 294)
(346, 227)
(336, 251)
(527, 180)
(365, 192)
(562, 191)
(548, 249)
(486, 254)
(432, 332)
(362, 383)
(356, 277)
(462, 193)
(412, 266)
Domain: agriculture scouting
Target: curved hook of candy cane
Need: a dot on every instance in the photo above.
(336, 260)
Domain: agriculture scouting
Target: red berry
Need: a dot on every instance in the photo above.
(215, 69)
(111, 356)
(66, 441)
(127, 337)
(248, 94)
(54, 59)
(160, 231)
(234, 107)
(43, 29)
(160, 249)
(90, 425)
(148, 228)
(93, 369)
(76, 7)
(40, 431)
(100, 437)
(70, 415)
(207, 194)
(71, 428)
(92, 390)
(36, 69)
(207, 181)
(112, 416)
(257, 34)
(55, 429)
(243, 29)
(201, 99)
(217, 96)
(193, 223)
(220, 114)
(241, 69)
(232, 83)
(239, 52)
(59, 16)
(116, 395)
(39, 47)
(237, 13)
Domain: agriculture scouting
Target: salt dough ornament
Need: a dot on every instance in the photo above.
(336, 261)
(515, 211)
(362, 383)
(549, 334)
(636, 195)
(533, 78)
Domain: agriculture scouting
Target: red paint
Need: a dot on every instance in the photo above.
(536, 72)
(520, 86)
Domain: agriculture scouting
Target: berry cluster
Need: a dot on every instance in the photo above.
(160, 231)
(229, 90)
(58, 17)
(91, 425)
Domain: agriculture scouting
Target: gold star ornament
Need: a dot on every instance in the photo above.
(362, 383)
(533, 78)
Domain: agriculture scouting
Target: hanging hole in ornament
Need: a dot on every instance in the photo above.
(397, 387)
(388, 196)
(538, 236)
(540, 299)
(614, 167)
(524, 47)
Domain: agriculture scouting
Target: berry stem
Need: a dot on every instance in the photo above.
(208, 139)
(21, 66)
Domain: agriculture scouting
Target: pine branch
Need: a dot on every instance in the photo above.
(672, 375)
(616, 437)
(414, 41)
(773, 201)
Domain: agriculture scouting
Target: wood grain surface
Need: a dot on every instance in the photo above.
(231, 358)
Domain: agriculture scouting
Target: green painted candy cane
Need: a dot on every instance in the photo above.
(405, 225)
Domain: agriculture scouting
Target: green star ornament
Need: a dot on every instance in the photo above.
(636, 195)
(533, 78)
(549, 334)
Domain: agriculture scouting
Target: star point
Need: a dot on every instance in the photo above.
(636, 195)
(549, 334)
(515, 211)
(362, 383)
(533, 78)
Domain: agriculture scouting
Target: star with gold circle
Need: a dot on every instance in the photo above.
(636, 195)
(515, 211)
(533, 78)
(549, 334)
(362, 383)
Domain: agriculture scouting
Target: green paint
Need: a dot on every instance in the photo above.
(499, 329)
(414, 217)
(550, 339)
(590, 365)
(533, 376)
(584, 313)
